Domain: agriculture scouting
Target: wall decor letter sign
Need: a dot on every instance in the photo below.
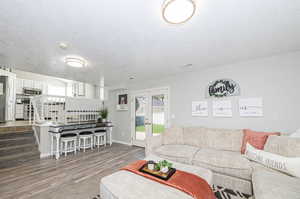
(223, 88)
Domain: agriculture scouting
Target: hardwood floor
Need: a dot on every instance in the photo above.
(74, 176)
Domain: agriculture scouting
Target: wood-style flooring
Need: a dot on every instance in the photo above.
(74, 176)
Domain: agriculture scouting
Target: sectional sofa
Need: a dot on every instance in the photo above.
(220, 151)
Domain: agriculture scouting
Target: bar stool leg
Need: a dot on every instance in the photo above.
(79, 148)
(66, 148)
(75, 147)
(52, 151)
(83, 144)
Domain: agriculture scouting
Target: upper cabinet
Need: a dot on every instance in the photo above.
(81, 89)
(19, 86)
(78, 89)
(26, 83)
(38, 85)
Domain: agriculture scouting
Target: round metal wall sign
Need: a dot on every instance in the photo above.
(223, 88)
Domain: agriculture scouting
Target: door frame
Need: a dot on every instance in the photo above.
(147, 93)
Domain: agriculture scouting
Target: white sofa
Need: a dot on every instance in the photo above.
(219, 151)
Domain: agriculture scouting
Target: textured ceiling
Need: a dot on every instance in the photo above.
(129, 38)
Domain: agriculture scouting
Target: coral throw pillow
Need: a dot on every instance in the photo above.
(256, 139)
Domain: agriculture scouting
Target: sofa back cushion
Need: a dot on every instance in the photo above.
(283, 145)
(220, 139)
(224, 139)
(194, 136)
(173, 135)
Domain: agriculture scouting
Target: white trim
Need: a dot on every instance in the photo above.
(121, 142)
(149, 89)
(45, 155)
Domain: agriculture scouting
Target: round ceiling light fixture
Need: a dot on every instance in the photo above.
(76, 62)
(63, 45)
(178, 11)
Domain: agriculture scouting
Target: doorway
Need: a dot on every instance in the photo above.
(150, 114)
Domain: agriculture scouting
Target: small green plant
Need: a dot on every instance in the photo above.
(103, 113)
(162, 164)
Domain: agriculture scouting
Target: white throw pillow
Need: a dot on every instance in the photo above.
(285, 164)
(296, 134)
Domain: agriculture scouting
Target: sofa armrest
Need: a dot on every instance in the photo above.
(153, 142)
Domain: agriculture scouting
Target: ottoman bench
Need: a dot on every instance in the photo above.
(127, 185)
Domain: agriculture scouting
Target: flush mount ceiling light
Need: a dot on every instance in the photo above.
(178, 11)
(63, 45)
(76, 62)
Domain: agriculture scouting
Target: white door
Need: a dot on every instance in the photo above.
(150, 114)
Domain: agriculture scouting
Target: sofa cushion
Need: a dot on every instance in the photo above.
(195, 136)
(225, 139)
(224, 162)
(271, 185)
(283, 145)
(177, 152)
(173, 135)
(221, 139)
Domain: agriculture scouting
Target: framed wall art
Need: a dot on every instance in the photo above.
(200, 109)
(222, 108)
(251, 107)
(122, 102)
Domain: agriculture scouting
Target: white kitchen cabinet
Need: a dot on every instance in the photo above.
(28, 83)
(81, 89)
(19, 86)
(38, 85)
(11, 99)
(19, 111)
(78, 89)
(45, 89)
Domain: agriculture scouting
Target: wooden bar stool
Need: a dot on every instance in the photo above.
(99, 138)
(85, 140)
(68, 143)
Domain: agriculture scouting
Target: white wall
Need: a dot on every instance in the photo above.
(275, 79)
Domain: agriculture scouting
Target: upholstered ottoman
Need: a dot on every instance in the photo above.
(127, 185)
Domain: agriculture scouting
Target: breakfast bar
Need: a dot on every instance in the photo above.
(57, 131)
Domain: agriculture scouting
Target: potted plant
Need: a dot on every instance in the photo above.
(103, 115)
(163, 166)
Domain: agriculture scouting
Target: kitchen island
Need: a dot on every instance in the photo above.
(48, 135)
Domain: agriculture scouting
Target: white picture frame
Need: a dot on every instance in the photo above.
(122, 102)
(222, 108)
(251, 107)
(200, 109)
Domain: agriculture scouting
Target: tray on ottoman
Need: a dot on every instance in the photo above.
(157, 174)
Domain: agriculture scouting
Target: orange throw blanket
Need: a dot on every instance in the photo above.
(189, 183)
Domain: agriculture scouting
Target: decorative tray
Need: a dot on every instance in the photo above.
(157, 174)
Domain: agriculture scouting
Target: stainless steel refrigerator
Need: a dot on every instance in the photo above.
(3, 94)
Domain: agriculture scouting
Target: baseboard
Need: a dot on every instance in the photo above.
(44, 155)
(121, 142)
